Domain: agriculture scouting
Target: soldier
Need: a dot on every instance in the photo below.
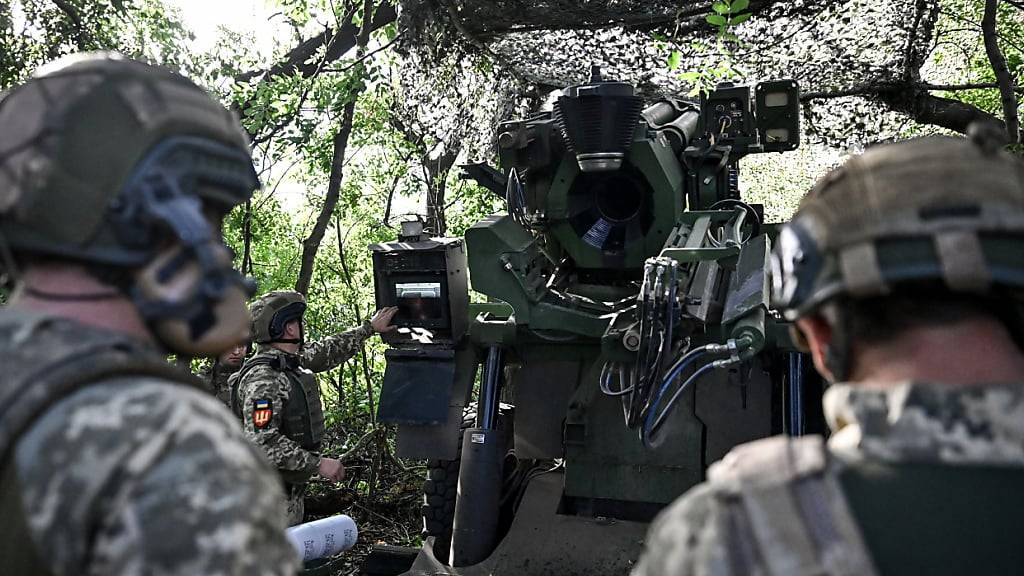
(278, 398)
(316, 356)
(216, 375)
(114, 178)
(903, 272)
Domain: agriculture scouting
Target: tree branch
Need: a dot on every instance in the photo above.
(1003, 77)
(82, 35)
(686, 19)
(311, 244)
(914, 100)
(338, 43)
(872, 88)
(369, 54)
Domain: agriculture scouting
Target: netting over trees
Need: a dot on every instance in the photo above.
(867, 48)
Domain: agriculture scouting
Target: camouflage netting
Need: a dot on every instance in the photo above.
(503, 55)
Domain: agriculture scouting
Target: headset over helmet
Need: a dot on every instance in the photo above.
(938, 212)
(272, 311)
(126, 166)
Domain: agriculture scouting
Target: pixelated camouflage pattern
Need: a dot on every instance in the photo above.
(138, 475)
(910, 422)
(928, 423)
(332, 351)
(296, 502)
(216, 378)
(295, 464)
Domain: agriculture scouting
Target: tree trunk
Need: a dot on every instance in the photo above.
(247, 239)
(437, 184)
(1002, 72)
(311, 244)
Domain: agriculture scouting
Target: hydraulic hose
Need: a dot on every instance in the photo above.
(655, 418)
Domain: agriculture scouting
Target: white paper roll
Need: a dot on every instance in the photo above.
(324, 537)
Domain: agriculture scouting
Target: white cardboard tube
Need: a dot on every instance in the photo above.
(324, 537)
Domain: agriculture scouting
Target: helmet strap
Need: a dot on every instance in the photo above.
(159, 193)
(87, 297)
(837, 354)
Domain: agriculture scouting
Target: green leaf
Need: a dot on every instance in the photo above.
(715, 19)
(690, 76)
(737, 20)
(720, 7)
(673, 60)
(739, 6)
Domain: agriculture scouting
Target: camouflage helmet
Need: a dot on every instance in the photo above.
(74, 135)
(932, 211)
(272, 311)
(112, 162)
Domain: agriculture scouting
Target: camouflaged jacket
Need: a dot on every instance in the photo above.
(110, 465)
(216, 377)
(264, 392)
(915, 479)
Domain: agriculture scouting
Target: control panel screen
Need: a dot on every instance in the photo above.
(419, 301)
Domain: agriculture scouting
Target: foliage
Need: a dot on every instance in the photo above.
(422, 110)
(721, 65)
(959, 54)
(33, 32)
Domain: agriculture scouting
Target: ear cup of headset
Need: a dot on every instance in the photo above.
(183, 318)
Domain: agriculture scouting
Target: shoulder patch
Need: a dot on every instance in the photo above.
(262, 411)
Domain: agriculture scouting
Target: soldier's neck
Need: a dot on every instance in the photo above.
(70, 292)
(972, 352)
(285, 347)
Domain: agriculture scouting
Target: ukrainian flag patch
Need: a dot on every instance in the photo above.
(262, 411)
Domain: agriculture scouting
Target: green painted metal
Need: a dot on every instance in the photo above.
(505, 264)
(655, 160)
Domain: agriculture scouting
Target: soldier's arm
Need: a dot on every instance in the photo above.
(265, 388)
(182, 493)
(330, 352)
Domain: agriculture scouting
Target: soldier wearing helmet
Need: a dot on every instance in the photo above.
(114, 178)
(903, 271)
(278, 398)
(220, 370)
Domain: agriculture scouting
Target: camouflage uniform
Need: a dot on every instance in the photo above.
(118, 173)
(260, 381)
(162, 479)
(917, 478)
(216, 376)
(910, 423)
(326, 354)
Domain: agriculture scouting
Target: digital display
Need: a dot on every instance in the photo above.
(419, 301)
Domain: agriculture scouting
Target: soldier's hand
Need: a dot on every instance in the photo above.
(332, 469)
(381, 320)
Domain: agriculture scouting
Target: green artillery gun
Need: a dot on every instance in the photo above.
(627, 341)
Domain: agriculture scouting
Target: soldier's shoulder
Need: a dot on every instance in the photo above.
(698, 532)
(260, 368)
(143, 405)
(143, 447)
(680, 533)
